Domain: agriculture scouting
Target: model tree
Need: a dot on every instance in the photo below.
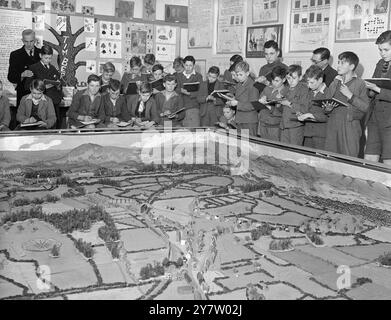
(67, 52)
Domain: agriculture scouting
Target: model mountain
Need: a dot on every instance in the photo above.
(96, 154)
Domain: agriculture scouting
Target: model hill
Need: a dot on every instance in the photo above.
(96, 154)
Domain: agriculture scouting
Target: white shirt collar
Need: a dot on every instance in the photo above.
(189, 75)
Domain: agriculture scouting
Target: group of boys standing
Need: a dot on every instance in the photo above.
(280, 104)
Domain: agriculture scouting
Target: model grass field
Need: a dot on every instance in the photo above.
(234, 231)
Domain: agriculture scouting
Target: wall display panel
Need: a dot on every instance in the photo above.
(257, 36)
(309, 25)
(124, 9)
(361, 20)
(149, 10)
(177, 14)
(201, 16)
(63, 6)
(265, 11)
(230, 26)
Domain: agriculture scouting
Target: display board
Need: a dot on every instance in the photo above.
(201, 16)
(265, 11)
(230, 26)
(361, 20)
(258, 36)
(309, 25)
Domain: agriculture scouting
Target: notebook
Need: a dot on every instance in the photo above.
(132, 88)
(158, 85)
(192, 87)
(382, 83)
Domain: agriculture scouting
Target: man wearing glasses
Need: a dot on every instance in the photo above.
(321, 58)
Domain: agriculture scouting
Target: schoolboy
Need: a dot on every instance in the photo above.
(5, 114)
(169, 102)
(135, 75)
(114, 106)
(149, 62)
(296, 102)
(142, 108)
(86, 104)
(245, 94)
(36, 107)
(157, 74)
(228, 119)
(190, 99)
(379, 124)
(344, 125)
(211, 107)
(106, 76)
(315, 121)
(270, 116)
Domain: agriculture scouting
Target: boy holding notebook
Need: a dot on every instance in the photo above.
(344, 125)
(190, 92)
(132, 80)
(211, 105)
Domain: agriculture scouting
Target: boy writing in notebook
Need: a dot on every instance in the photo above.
(169, 103)
(211, 106)
(315, 121)
(344, 125)
(190, 99)
(113, 106)
(270, 116)
(245, 94)
(296, 102)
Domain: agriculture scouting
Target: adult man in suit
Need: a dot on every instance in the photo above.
(19, 63)
(321, 58)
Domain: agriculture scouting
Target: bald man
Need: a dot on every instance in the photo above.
(20, 61)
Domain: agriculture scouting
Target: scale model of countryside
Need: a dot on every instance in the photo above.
(87, 220)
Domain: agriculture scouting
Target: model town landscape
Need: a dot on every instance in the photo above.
(111, 228)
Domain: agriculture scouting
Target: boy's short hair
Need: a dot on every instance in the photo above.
(114, 84)
(157, 67)
(295, 68)
(314, 72)
(233, 67)
(169, 78)
(93, 78)
(178, 61)
(145, 87)
(46, 50)
(242, 66)
(108, 66)
(38, 84)
(236, 58)
(350, 57)
(214, 70)
(384, 37)
(278, 72)
(189, 58)
(323, 52)
(150, 59)
(234, 109)
(135, 62)
(271, 44)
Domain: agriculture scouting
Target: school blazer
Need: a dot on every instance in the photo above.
(318, 128)
(151, 111)
(45, 110)
(81, 103)
(42, 73)
(5, 115)
(204, 106)
(120, 112)
(173, 104)
(245, 94)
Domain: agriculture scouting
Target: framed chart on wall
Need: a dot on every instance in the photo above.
(361, 20)
(265, 11)
(309, 25)
(257, 36)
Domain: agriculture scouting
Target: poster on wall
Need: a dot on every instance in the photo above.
(201, 15)
(165, 52)
(110, 49)
(89, 25)
(265, 11)
(16, 4)
(166, 34)
(91, 44)
(64, 6)
(177, 14)
(360, 20)
(12, 23)
(38, 22)
(257, 36)
(110, 30)
(230, 26)
(38, 7)
(149, 10)
(139, 40)
(310, 23)
(124, 9)
(88, 11)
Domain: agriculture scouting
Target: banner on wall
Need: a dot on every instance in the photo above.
(309, 26)
(360, 20)
(12, 24)
(230, 26)
(200, 24)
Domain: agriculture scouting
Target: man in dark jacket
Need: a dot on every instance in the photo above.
(19, 63)
(321, 58)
